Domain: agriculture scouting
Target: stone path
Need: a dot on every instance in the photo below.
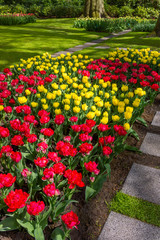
(120, 227)
(151, 144)
(90, 44)
(142, 182)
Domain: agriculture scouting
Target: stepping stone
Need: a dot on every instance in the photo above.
(89, 44)
(156, 120)
(123, 49)
(98, 40)
(102, 47)
(122, 32)
(143, 182)
(74, 49)
(120, 227)
(151, 144)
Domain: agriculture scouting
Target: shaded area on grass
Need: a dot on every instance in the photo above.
(46, 35)
(130, 40)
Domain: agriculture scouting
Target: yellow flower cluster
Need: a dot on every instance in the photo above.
(145, 56)
(73, 94)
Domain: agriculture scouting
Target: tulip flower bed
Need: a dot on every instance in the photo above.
(144, 56)
(17, 18)
(62, 121)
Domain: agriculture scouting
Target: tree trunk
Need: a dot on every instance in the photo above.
(157, 28)
(94, 8)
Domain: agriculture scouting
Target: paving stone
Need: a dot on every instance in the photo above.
(98, 40)
(122, 48)
(156, 120)
(75, 49)
(102, 47)
(120, 227)
(143, 182)
(89, 44)
(151, 144)
(122, 32)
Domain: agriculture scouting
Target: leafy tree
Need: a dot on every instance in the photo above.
(94, 8)
(157, 28)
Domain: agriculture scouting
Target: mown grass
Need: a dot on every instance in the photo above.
(137, 40)
(46, 35)
(136, 208)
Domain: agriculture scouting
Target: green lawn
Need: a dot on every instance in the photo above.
(136, 208)
(46, 35)
(130, 40)
(53, 35)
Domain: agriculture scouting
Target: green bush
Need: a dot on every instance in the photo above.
(153, 13)
(15, 19)
(35, 9)
(112, 25)
(47, 11)
(5, 9)
(19, 9)
(146, 12)
(72, 11)
(126, 11)
(112, 10)
(141, 12)
(135, 3)
(144, 27)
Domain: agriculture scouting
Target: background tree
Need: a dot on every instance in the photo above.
(157, 28)
(94, 8)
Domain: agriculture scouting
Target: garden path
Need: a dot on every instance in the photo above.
(90, 44)
(142, 182)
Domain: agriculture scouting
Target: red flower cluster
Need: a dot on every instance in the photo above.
(47, 132)
(120, 130)
(50, 190)
(103, 127)
(85, 137)
(6, 180)
(35, 208)
(92, 167)
(41, 162)
(16, 156)
(44, 116)
(59, 119)
(4, 132)
(106, 140)
(16, 199)
(70, 219)
(53, 156)
(74, 178)
(17, 140)
(107, 150)
(66, 149)
(85, 148)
